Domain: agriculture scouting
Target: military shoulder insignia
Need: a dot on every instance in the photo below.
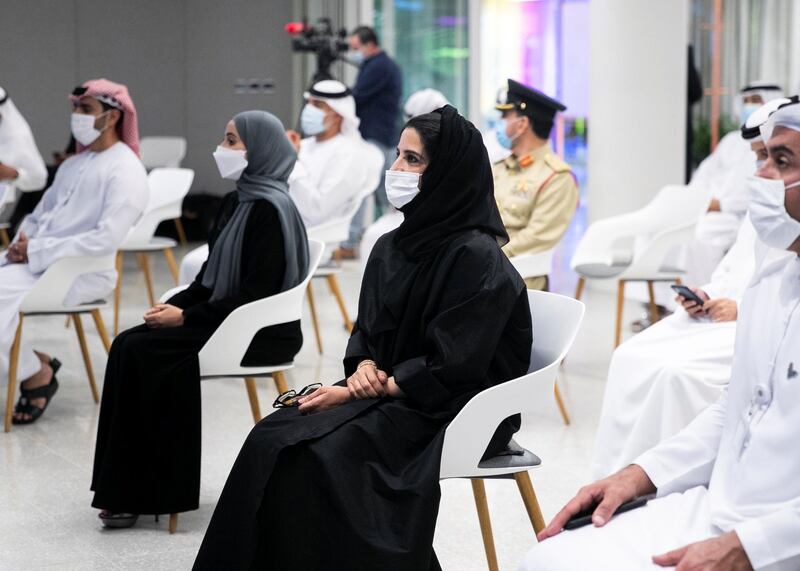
(556, 163)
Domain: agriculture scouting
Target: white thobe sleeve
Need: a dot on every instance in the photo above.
(736, 269)
(30, 224)
(31, 172)
(772, 538)
(686, 459)
(324, 200)
(122, 206)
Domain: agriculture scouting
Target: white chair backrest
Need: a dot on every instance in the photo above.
(168, 187)
(650, 261)
(222, 354)
(534, 265)
(556, 320)
(162, 151)
(50, 290)
(612, 239)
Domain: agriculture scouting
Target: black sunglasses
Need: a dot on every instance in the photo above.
(291, 398)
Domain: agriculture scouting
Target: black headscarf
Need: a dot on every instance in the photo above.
(270, 160)
(456, 192)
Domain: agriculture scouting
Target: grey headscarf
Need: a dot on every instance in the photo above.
(270, 160)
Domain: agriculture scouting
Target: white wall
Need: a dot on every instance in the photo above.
(637, 102)
(179, 58)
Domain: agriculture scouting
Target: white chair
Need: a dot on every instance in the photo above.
(556, 320)
(333, 232)
(47, 298)
(531, 266)
(168, 187)
(639, 245)
(222, 354)
(167, 152)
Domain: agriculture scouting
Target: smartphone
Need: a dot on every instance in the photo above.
(583, 518)
(687, 293)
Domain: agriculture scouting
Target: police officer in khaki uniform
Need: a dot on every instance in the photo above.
(534, 188)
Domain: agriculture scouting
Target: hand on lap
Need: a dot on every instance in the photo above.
(324, 398)
(723, 553)
(163, 315)
(368, 381)
(607, 494)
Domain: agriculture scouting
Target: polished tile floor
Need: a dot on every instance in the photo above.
(46, 521)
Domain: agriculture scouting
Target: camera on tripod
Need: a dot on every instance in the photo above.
(320, 39)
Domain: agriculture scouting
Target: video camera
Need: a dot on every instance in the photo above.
(321, 40)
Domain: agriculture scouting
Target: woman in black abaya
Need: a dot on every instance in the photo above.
(350, 480)
(147, 458)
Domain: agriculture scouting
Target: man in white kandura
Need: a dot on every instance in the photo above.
(21, 166)
(722, 177)
(335, 167)
(728, 491)
(662, 378)
(96, 197)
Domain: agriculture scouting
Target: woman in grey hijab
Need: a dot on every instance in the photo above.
(147, 457)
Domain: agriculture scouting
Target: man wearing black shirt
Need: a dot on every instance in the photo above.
(377, 92)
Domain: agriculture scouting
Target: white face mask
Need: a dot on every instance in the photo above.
(401, 187)
(312, 120)
(82, 127)
(230, 162)
(768, 213)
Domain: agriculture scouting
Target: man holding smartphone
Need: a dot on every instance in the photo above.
(661, 379)
(728, 491)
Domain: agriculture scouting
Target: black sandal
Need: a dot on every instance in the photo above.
(46, 392)
(117, 520)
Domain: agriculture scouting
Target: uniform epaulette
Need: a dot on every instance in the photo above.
(556, 163)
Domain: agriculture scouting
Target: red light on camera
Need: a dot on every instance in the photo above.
(294, 28)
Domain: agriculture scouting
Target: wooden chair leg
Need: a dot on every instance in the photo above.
(561, 406)
(479, 492)
(12, 375)
(4, 238)
(144, 263)
(530, 501)
(173, 523)
(173, 267)
(101, 329)
(313, 307)
(181, 233)
(117, 292)
(85, 352)
(333, 283)
(252, 394)
(280, 381)
(651, 294)
(620, 306)
(579, 288)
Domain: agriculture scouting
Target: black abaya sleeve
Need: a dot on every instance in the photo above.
(483, 306)
(357, 350)
(263, 267)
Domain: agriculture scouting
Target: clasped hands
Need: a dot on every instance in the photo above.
(163, 315)
(722, 553)
(18, 251)
(366, 382)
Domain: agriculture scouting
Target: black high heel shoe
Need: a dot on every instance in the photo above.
(117, 520)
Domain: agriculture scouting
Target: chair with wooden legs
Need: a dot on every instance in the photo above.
(168, 187)
(531, 266)
(222, 354)
(165, 152)
(332, 232)
(556, 320)
(643, 245)
(47, 298)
